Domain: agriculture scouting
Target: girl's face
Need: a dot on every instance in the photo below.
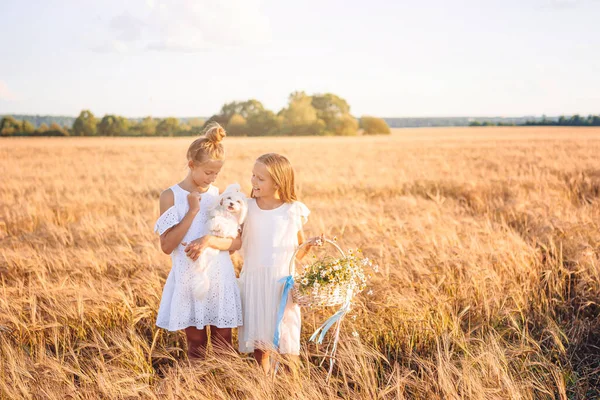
(204, 174)
(262, 183)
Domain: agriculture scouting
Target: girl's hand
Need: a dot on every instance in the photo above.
(194, 201)
(310, 243)
(315, 241)
(196, 247)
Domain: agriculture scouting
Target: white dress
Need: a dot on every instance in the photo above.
(179, 309)
(269, 240)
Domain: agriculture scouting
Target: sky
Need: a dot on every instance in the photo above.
(393, 58)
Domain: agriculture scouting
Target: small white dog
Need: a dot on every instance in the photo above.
(224, 221)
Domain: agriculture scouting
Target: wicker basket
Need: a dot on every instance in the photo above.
(324, 296)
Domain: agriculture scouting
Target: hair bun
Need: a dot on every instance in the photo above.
(215, 132)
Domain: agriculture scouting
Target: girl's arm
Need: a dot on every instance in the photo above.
(196, 247)
(314, 241)
(171, 238)
(229, 244)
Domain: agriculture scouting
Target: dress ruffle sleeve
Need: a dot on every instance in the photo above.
(300, 214)
(167, 220)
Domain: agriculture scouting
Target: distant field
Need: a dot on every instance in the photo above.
(488, 238)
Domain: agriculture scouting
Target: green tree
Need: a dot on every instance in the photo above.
(264, 123)
(251, 107)
(300, 117)
(244, 108)
(42, 128)
(27, 127)
(576, 120)
(588, 120)
(300, 110)
(113, 125)
(184, 130)
(85, 124)
(57, 130)
(236, 125)
(167, 127)
(133, 127)
(330, 108)
(346, 125)
(147, 127)
(374, 126)
(9, 126)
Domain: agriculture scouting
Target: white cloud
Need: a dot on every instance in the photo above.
(188, 26)
(5, 93)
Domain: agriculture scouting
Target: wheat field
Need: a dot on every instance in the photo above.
(488, 241)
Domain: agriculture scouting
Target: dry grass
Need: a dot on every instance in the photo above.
(488, 238)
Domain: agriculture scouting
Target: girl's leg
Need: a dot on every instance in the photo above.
(221, 337)
(196, 341)
(263, 359)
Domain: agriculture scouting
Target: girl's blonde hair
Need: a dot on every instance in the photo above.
(208, 147)
(282, 173)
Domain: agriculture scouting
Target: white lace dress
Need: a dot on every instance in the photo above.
(179, 309)
(269, 240)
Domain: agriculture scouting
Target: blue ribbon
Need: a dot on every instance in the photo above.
(329, 323)
(288, 282)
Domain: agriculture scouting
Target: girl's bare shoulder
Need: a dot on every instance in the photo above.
(167, 199)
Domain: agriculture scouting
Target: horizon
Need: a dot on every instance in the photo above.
(428, 60)
(356, 116)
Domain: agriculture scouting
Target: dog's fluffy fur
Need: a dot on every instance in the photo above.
(224, 221)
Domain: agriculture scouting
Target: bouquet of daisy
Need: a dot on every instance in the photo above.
(332, 280)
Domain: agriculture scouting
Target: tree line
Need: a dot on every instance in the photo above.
(574, 120)
(320, 114)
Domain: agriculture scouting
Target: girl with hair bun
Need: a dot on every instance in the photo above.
(182, 227)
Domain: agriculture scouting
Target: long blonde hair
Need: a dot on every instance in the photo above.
(282, 173)
(208, 147)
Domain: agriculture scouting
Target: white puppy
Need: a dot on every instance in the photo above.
(224, 221)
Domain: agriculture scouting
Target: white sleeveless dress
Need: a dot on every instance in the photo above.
(179, 308)
(269, 240)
